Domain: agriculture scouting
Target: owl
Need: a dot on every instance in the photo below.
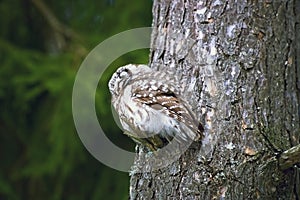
(150, 108)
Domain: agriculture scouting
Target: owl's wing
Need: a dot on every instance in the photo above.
(162, 98)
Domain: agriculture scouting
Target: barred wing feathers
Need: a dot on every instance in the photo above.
(162, 98)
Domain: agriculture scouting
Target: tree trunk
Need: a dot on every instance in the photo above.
(245, 58)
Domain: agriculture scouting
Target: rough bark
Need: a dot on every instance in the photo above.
(245, 58)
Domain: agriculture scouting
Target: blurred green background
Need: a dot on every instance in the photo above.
(42, 44)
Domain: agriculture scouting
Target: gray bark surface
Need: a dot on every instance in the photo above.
(245, 58)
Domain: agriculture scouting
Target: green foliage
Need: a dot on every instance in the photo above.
(41, 154)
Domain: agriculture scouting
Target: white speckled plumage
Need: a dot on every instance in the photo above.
(150, 108)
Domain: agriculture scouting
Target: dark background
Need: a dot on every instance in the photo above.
(42, 44)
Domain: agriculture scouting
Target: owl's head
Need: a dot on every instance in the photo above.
(124, 75)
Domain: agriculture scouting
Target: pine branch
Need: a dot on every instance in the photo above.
(53, 21)
(289, 157)
(63, 34)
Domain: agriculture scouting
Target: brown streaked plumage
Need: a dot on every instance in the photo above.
(150, 108)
